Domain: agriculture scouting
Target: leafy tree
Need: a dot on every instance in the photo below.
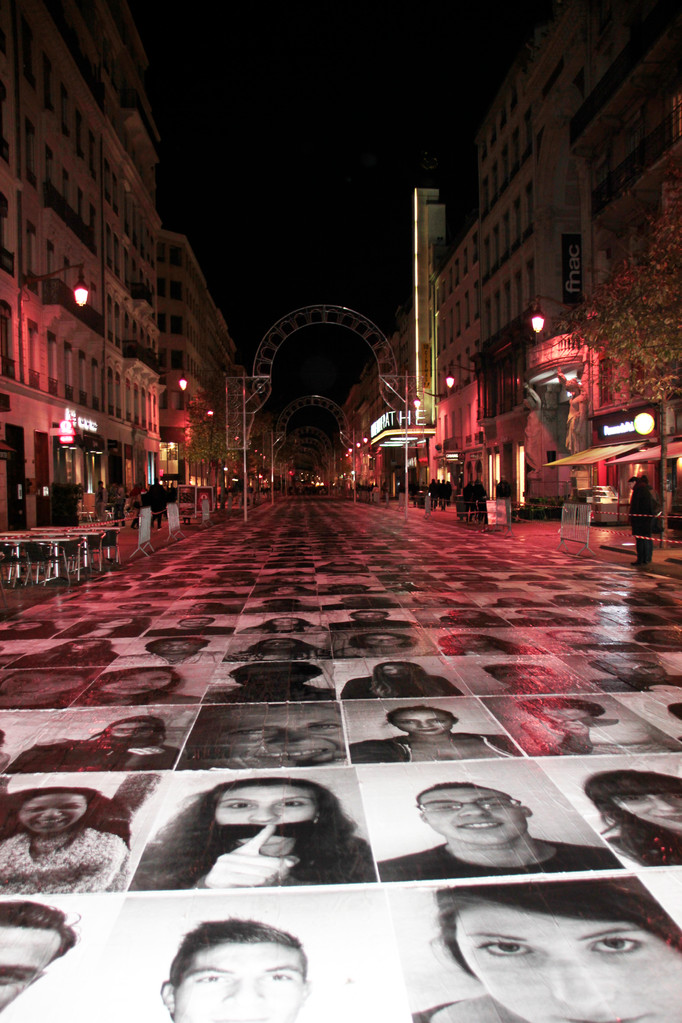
(634, 317)
(205, 431)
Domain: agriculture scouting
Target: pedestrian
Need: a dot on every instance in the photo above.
(469, 501)
(448, 492)
(119, 503)
(100, 502)
(157, 496)
(480, 497)
(642, 511)
(502, 490)
(135, 503)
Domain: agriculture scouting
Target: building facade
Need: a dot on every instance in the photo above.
(77, 177)
(194, 347)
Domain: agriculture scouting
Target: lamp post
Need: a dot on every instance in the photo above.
(182, 384)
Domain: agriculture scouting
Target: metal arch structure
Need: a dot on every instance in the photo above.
(310, 436)
(315, 400)
(317, 315)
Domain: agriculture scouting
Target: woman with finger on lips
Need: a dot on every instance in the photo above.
(257, 832)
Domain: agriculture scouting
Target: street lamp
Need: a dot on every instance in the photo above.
(80, 291)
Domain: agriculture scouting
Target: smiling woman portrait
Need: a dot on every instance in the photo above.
(643, 814)
(62, 840)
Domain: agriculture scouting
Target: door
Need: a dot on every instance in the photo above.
(41, 443)
(16, 484)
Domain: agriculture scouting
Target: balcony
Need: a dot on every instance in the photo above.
(83, 397)
(139, 293)
(7, 261)
(135, 352)
(657, 25)
(68, 392)
(56, 292)
(52, 385)
(34, 379)
(8, 367)
(54, 201)
(648, 152)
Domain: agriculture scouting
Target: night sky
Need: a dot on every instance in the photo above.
(292, 138)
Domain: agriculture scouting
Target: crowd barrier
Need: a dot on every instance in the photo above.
(575, 526)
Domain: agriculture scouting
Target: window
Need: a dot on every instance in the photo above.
(176, 324)
(94, 383)
(49, 164)
(161, 287)
(175, 255)
(30, 143)
(176, 358)
(5, 340)
(517, 219)
(30, 248)
(64, 107)
(27, 52)
(175, 289)
(529, 204)
(530, 277)
(91, 154)
(607, 381)
(48, 102)
(161, 320)
(68, 365)
(79, 133)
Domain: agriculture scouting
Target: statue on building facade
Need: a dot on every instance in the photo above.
(578, 409)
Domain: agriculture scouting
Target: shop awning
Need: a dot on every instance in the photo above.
(93, 442)
(653, 454)
(591, 455)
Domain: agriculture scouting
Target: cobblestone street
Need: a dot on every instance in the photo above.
(318, 721)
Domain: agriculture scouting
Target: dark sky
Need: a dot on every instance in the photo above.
(291, 143)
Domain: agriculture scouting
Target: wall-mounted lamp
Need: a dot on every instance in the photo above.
(80, 291)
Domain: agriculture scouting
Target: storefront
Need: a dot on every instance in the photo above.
(396, 442)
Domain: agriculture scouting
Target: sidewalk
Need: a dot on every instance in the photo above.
(612, 544)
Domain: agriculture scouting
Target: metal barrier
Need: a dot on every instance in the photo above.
(144, 533)
(575, 525)
(173, 513)
(499, 516)
(205, 512)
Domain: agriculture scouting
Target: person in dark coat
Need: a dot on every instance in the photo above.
(642, 511)
(157, 501)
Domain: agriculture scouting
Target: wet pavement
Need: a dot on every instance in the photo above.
(335, 724)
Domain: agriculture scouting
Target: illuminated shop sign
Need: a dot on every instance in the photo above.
(572, 267)
(396, 421)
(82, 422)
(641, 425)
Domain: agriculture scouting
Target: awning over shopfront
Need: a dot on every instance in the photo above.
(592, 455)
(653, 454)
(94, 442)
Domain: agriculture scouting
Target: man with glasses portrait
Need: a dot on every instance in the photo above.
(486, 834)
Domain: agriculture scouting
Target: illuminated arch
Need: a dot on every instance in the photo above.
(315, 315)
(305, 402)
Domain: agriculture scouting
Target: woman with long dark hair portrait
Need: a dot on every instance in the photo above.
(257, 832)
(134, 687)
(129, 744)
(398, 678)
(62, 840)
(643, 814)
